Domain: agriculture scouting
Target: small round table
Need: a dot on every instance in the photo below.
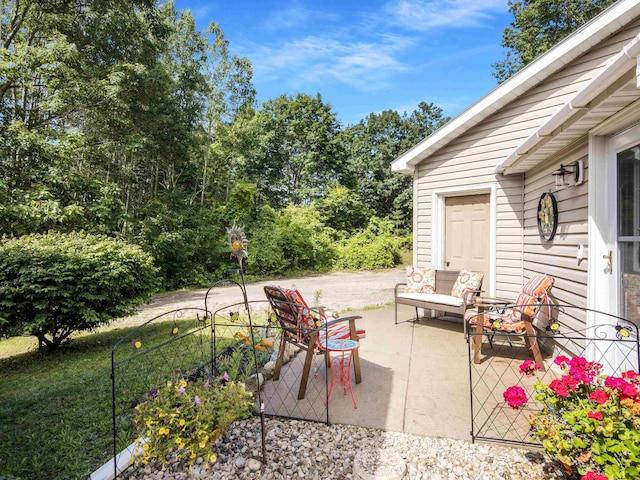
(346, 348)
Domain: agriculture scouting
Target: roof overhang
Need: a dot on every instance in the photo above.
(601, 27)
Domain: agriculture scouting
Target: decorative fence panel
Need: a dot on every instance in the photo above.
(175, 343)
(608, 340)
(240, 340)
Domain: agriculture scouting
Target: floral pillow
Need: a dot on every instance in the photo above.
(466, 282)
(421, 280)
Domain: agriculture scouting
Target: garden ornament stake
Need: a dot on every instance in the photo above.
(237, 242)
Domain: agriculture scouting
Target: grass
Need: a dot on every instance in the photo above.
(55, 408)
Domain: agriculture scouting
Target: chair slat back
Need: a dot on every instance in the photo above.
(288, 313)
(445, 279)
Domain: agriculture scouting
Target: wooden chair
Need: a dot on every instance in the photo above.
(492, 315)
(307, 328)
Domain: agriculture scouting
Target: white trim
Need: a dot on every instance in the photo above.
(438, 197)
(576, 44)
(616, 67)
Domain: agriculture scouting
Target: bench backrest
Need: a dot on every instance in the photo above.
(445, 279)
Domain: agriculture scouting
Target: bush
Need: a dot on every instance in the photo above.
(590, 422)
(289, 241)
(52, 285)
(373, 248)
(185, 419)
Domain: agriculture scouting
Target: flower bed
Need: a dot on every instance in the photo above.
(590, 422)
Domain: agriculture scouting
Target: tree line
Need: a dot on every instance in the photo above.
(122, 118)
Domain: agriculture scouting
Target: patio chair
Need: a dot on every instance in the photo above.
(492, 316)
(308, 329)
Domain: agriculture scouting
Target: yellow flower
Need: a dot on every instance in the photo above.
(178, 440)
(193, 455)
(138, 344)
(174, 331)
(203, 444)
(145, 447)
(213, 458)
(267, 342)
(182, 422)
(183, 383)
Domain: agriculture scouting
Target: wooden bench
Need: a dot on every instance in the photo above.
(441, 301)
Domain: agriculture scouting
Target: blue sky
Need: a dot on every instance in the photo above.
(365, 57)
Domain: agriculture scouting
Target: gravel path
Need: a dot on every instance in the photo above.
(304, 450)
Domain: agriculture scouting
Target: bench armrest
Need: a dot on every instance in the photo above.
(398, 285)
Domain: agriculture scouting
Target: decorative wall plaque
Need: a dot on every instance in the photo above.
(547, 216)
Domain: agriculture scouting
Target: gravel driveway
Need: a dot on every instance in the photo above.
(338, 290)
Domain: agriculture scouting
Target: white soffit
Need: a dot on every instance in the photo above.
(575, 45)
(618, 65)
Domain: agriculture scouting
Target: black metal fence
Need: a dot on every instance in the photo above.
(241, 340)
(609, 340)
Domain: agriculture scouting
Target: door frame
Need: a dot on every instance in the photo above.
(438, 197)
(604, 287)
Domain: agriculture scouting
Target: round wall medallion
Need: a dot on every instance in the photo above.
(547, 216)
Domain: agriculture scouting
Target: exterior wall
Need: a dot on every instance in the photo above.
(470, 161)
(558, 257)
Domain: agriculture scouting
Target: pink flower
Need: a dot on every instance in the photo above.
(197, 400)
(595, 415)
(515, 397)
(594, 476)
(529, 367)
(599, 396)
(181, 390)
(560, 359)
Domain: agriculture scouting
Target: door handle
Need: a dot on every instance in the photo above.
(447, 263)
(609, 258)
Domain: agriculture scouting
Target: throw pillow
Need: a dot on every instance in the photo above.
(421, 280)
(466, 282)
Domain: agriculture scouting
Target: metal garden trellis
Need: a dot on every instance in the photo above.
(610, 340)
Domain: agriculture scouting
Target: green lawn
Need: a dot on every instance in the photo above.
(55, 408)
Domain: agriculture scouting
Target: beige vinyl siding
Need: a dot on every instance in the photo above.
(558, 256)
(470, 161)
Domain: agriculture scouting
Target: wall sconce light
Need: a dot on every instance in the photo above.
(568, 175)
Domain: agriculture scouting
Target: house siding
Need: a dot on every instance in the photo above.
(470, 161)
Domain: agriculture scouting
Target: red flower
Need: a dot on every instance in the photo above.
(560, 359)
(594, 476)
(595, 415)
(599, 396)
(529, 367)
(515, 397)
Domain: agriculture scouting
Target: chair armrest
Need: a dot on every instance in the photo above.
(395, 290)
(468, 295)
(340, 320)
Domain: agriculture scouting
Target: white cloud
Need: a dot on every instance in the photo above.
(296, 17)
(423, 15)
(362, 64)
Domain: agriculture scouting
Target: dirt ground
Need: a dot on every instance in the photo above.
(339, 291)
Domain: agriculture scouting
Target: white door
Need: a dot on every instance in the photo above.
(467, 234)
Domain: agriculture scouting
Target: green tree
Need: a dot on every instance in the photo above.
(55, 284)
(373, 143)
(539, 25)
(300, 153)
(342, 209)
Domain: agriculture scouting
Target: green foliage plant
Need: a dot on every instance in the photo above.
(590, 422)
(53, 285)
(182, 420)
(371, 249)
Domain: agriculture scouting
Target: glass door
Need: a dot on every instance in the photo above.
(629, 232)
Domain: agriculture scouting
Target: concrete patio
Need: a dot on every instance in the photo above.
(415, 379)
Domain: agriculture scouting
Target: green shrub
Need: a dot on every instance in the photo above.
(55, 284)
(373, 248)
(292, 240)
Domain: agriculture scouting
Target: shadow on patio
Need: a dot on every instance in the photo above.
(415, 379)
